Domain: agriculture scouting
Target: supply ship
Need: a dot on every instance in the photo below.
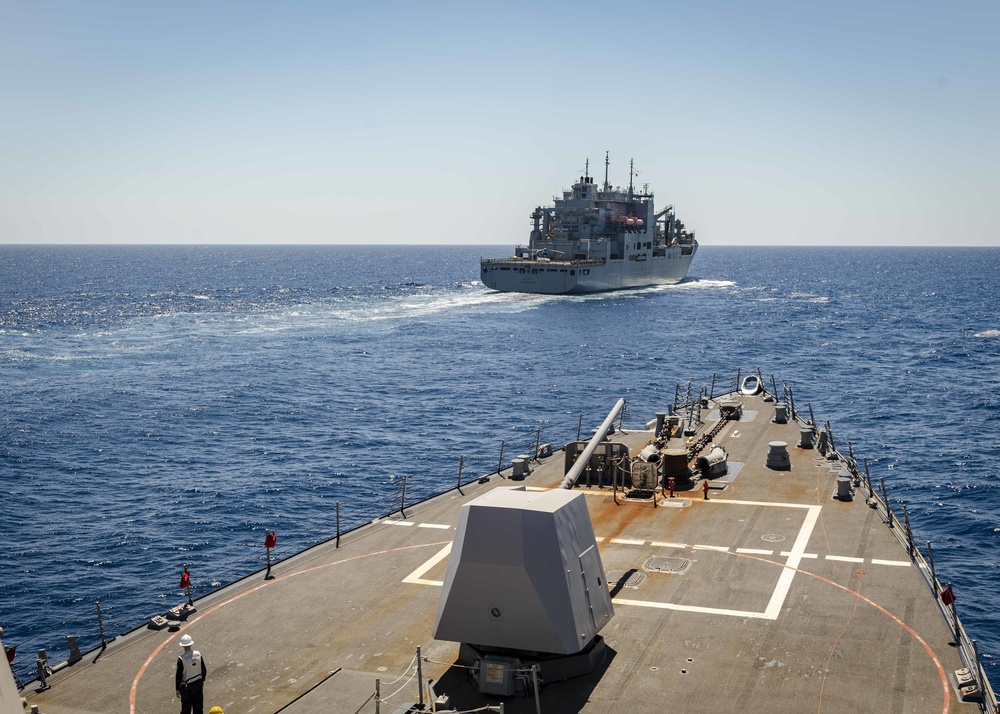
(724, 553)
(596, 239)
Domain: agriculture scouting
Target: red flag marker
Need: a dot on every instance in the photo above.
(270, 539)
(947, 596)
(185, 580)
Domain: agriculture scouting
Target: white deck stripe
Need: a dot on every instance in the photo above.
(845, 558)
(689, 608)
(754, 551)
(626, 541)
(416, 577)
(440, 526)
(794, 559)
(898, 563)
(804, 556)
(668, 545)
(399, 523)
(719, 548)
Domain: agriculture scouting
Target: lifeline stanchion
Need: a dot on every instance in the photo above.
(930, 560)
(579, 426)
(909, 531)
(420, 678)
(461, 463)
(500, 461)
(100, 625)
(534, 680)
(885, 500)
(338, 524)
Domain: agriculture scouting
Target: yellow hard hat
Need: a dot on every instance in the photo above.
(216, 710)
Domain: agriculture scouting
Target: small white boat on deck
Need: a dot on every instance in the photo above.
(751, 385)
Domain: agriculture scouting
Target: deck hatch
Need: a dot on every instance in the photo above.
(666, 564)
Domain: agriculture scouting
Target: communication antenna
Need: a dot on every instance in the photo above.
(607, 162)
(631, 173)
(586, 170)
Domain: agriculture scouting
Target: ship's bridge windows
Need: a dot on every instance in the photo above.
(572, 272)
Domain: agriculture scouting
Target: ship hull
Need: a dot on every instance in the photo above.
(573, 277)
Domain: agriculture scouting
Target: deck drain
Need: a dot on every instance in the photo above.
(664, 564)
(773, 538)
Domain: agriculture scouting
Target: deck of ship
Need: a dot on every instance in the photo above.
(784, 599)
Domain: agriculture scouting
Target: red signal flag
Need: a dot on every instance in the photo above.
(185, 580)
(947, 596)
(270, 539)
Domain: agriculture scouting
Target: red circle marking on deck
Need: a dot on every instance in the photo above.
(152, 656)
(934, 658)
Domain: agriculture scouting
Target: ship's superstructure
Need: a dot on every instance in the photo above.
(594, 239)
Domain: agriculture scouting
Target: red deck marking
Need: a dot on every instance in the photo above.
(266, 583)
(934, 658)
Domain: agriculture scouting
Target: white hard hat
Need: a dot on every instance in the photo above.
(186, 641)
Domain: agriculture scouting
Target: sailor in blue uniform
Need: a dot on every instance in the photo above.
(190, 678)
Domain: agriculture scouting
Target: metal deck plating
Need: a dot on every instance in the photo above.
(769, 596)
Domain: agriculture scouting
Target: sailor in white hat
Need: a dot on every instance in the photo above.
(190, 678)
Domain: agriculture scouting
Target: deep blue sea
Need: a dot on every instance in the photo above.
(162, 406)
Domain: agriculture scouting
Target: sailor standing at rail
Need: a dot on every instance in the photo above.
(190, 678)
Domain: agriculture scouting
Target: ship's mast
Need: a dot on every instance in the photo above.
(607, 162)
(631, 173)
(586, 171)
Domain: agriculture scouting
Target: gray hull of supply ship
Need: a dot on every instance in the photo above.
(728, 554)
(596, 239)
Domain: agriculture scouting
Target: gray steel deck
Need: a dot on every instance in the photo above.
(786, 600)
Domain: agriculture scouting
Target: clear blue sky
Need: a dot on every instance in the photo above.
(447, 122)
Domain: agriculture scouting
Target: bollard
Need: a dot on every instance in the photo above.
(780, 413)
(778, 458)
(844, 492)
(805, 438)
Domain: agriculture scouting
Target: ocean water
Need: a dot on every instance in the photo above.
(163, 406)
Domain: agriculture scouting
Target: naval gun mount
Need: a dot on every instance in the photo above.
(525, 593)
